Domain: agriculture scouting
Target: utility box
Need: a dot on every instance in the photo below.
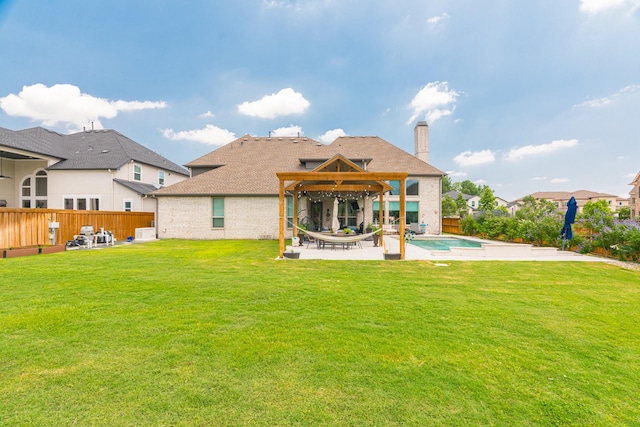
(145, 233)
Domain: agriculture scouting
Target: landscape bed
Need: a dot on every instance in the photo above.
(218, 332)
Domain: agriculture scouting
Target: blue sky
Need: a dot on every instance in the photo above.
(521, 96)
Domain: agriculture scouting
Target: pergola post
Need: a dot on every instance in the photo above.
(282, 218)
(403, 217)
(295, 213)
(381, 218)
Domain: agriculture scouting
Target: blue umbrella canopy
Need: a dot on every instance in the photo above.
(569, 218)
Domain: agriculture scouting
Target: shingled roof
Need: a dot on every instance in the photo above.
(248, 165)
(87, 150)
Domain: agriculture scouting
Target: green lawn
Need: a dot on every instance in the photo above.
(220, 333)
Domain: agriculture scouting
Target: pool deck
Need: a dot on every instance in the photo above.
(496, 251)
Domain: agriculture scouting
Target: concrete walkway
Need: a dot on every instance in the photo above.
(497, 251)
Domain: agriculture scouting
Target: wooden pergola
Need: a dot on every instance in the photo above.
(351, 181)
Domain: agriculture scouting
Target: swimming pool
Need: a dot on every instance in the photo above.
(444, 243)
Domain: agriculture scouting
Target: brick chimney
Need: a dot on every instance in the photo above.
(421, 141)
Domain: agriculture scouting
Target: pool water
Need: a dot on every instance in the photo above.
(444, 243)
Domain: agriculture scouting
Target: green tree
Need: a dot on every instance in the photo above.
(461, 203)
(468, 187)
(488, 202)
(447, 184)
(624, 212)
(449, 207)
(538, 221)
(596, 216)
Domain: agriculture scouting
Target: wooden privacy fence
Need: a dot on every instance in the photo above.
(30, 227)
(451, 225)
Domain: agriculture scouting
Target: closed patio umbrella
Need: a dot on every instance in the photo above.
(335, 224)
(569, 218)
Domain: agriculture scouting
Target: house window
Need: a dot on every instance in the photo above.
(218, 212)
(94, 204)
(347, 213)
(137, 172)
(34, 191)
(81, 203)
(289, 223)
(160, 177)
(128, 204)
(473, 203)
(411, 211)
(412, 187)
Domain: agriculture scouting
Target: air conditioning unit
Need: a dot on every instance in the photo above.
(145, 233)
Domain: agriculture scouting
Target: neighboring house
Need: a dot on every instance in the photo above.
(634, 201)
(234, 190)
(473, 201)
(89, 170)
(560, 199)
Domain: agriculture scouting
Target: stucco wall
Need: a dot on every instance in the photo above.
(244, 218)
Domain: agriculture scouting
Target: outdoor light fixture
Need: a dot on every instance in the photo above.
(328, 213)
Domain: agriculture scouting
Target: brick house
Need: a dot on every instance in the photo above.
(234, 190)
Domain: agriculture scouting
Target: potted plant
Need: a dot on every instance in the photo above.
(291, 254)
(376, 237)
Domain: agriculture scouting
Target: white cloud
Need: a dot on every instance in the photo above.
(331, 135)
(64, 104)
(284, 103)
(539, 178)
(435, 20)
(300, 6)
(559, 180)
(532, 150)
(469, 158)
(435, 100)
(597, 6)
(211, 135)
(287, 131)
(206, 115)
(607, 100)
(456, 174)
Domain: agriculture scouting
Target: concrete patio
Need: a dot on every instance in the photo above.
(497, 251)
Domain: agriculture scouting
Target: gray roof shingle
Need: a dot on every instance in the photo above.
(87, 150)
(248, 165)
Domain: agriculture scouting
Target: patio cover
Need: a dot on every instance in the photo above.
(339, 175)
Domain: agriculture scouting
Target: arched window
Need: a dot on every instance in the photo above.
(34, 190)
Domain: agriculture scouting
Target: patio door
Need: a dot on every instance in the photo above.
(347, 213)
(316, 215)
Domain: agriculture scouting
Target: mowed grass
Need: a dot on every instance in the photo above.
(220, 333)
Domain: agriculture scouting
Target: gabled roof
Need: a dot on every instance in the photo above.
(454, 195)
(88, 150)
(349, 174)
(248, 165)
